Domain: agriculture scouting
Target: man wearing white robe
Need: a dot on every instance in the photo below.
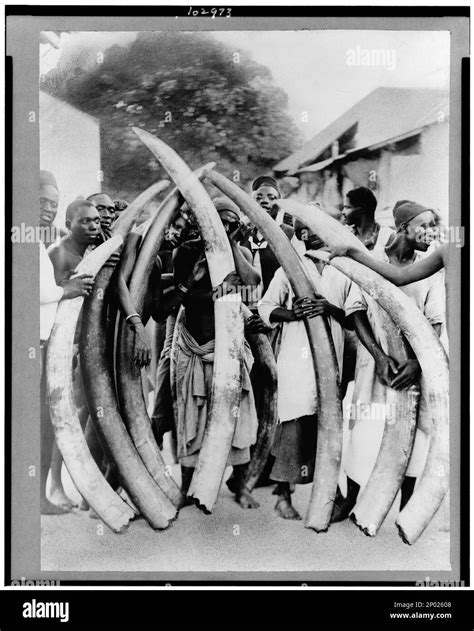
(338, 299)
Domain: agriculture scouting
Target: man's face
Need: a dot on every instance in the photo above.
(106, 210)
(420, 231)
(48, 200)
(85, 226)
(350, 213)
(266, 196)
(176, 231)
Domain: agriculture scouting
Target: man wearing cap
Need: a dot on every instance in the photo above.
(193, 360)
(413, 223)
(50, 295)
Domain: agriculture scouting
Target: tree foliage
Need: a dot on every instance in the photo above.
(207, 101)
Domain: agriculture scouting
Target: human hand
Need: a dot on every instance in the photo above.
(141, 346)
(386, 368)
(255, 324)
(81, 285)
(340, 250)
(309, 308)
(408, 373)
(113, 260)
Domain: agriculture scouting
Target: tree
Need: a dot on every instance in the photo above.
(208, 102)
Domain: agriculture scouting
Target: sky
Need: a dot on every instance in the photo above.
(325, 72)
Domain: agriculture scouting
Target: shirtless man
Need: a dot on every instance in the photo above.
(192, 288)
(50, 295)
(196, 340)
(83, 224)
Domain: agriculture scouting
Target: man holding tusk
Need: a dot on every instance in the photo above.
(193, 362)
(341, 301)
(414, 225)
(50, 295)
(83, 225)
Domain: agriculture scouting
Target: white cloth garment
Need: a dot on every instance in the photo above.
(50, 294)
(366, 435)
(297, 393)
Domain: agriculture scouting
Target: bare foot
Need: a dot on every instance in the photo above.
(59, 497)
(48, 508)
(285, 509)
(245, 500)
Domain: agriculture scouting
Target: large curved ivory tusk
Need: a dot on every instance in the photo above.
(401, 410)
(434, 482)
(229, 330)
(129, 384)
(82, 468)
(267, 411)
(97, 371)
(329, 444)
(69, 436)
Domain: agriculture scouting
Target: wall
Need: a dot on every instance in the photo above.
(70, 149)
(420, 174)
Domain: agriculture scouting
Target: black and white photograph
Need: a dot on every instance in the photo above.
(240, 249)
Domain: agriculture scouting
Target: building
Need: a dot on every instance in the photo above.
(70, 149)
(394, 141)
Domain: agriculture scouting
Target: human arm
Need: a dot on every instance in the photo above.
(243, 264)
(434, 311)
(397, 275)
(385, 366)
(51, 292)
(141, 352)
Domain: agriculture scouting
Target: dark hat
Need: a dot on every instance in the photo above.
(404, 211)
(264, 180)
(48, 179)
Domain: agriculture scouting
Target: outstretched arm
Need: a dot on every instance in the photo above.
(398, 275)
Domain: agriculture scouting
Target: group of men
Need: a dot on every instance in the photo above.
(180, 300)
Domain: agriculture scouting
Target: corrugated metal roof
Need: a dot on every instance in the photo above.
(383, 114)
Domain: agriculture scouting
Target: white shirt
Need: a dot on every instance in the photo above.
(297, 392)
(50, 294)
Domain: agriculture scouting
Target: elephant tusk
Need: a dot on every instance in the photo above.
(97, 370)
(434, 481)
(82, 468)
(229, 331)
(267, 411)
(329, 444)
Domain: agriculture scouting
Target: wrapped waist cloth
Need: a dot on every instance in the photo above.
(193, 374)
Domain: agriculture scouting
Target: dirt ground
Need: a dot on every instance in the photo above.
(234, 539)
